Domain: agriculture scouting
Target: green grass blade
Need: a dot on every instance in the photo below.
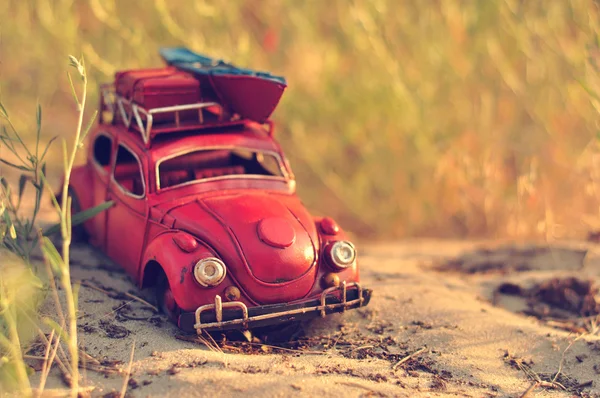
(64, 336)
(588, 89)
(42, 180)
(81, 217)
(22, 181)
(38, 117)
(3, 111)
(22, 168)
(47, 147)
(44, 183)
(88, 127)
(52, 256)
(5, 185)
(73, 92)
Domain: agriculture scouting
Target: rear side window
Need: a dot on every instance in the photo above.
(103, 151)
(128, 173)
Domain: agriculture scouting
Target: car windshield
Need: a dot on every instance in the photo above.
(219, 163)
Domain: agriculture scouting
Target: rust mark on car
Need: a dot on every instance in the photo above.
(183, 272)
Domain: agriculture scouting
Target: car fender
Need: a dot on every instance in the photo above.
(177, 264)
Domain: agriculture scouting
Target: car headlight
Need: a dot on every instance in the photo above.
(342, 254)
(210, 271)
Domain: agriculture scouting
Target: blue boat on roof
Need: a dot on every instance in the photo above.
(252, 94)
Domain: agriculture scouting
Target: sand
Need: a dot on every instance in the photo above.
(468, 341)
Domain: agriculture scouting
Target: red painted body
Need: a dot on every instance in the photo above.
(272, 247)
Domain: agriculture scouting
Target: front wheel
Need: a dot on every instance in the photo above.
(164, 299)
(278, 334)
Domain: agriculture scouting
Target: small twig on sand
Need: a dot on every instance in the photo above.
(210, 342)
(286, 349)
(131, 296)
(530, 390)
(585, 384)
(362, 347)
(337, 340)
(63, 366)
(90, 363)
(26, 356)
(48, 359)
(88, 357)
(552, 384)
(105, 370)
(201, 340)
(233, 345)
(114, 311)
(534, 376)
(356, 385)
(61, 393)
(197, 339)
(566, 325)
(46, 341)
(128, 374)
(562, 360)
(406, 358)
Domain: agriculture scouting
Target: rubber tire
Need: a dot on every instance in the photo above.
(78, 233)
(164, 299)
(280, 333)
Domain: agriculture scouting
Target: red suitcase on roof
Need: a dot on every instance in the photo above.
(159, 88)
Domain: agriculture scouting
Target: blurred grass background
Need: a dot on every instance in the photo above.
(448, 118)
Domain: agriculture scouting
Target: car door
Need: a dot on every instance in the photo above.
(102, 152)
(126, 224)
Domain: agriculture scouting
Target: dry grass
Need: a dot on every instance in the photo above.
(20, 296)
(447, 118)
(21, 292)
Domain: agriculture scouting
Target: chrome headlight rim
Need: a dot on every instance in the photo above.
(337, 256)
(209, 272)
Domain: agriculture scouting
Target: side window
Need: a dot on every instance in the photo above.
(128, 172)
(103, 151)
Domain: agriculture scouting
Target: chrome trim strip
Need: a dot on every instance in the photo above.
(218, 308)
(221, 178)
(187, 107)
(237, 176)
(112, 176)
(130, 111)
(124, 115)
(144, 131)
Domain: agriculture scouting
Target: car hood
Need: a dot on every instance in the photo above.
(267, 240)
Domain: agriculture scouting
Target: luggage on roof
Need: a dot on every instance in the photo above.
(159, 88)
(192, 93)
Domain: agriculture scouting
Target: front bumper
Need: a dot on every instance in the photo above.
(236, 315)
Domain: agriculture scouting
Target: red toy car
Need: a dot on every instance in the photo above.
(205, 208)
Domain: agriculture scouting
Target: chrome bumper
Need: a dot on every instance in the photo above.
(334, 299)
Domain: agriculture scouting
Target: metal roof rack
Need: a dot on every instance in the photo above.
(137, 118)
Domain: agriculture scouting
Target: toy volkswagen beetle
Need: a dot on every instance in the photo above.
(205, 209)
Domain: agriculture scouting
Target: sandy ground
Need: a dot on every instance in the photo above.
(469, 340)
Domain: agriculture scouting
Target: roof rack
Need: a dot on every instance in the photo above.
(141, 120)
